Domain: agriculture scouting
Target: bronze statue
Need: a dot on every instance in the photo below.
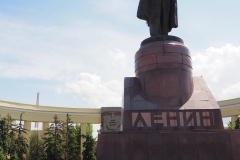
(161, 15)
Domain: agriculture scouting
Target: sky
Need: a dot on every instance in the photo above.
(76, 53)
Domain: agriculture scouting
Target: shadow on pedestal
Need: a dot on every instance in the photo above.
(171, 145)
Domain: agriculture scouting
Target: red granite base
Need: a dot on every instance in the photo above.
(154, 120)
(164, 70)
(170, 145)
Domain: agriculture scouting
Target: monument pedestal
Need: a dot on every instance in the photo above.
(168, 115)
(163, 67)
(201, 111)
(170, 145)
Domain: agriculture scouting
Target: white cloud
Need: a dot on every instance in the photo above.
(93, 90)
(48, 52)
(231, 91)
(219, 67)
(60, 52)
(118, 57)
(51, 53)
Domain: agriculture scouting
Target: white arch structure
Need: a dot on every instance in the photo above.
(45, 114)
(230, 108)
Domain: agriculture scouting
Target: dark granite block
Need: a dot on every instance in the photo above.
(106, 141)
(235, 144)
(137, 66)
(169, 59)
(127, 102)
(138, 147)
(127, 82)
(187, 61)
(138, 55)
(146, 50)
(218, 119)
(121, 147)
(187, 68)
(147, 60)
(158, 47)
(127, 120)
(138, 98)
(155, 147)
(139, 105)
(151, 106)
(170, 146)
(205, 146)
(187, 146)
(222, 146)
(176, 49)
(147, 68)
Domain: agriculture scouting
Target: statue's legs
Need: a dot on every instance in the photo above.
(154, 26)
(160, 24)
(165, 17)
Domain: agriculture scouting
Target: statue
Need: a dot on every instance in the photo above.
(161, 15)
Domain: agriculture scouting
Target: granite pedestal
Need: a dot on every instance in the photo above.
(167, 113)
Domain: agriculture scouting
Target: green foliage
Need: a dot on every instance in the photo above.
(21, 141)
(12, 145)
(90, 144)
(61, 141)
(4, 137)
(89, 129)
(2, 155)
(12, 141)
(53, 140)
(70, 142)
(8, 137)
(89, 152)
(229, 125)
(237, 122)
(77, 132)
(36, 150)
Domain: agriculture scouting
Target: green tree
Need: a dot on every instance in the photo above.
(89, 132)
(71, 151)
(2, 155)
(36, 150)
(229, 125)
(90, 148)
(53, 139)
(21, 142)
(89, 129)
(8, 136)
(89, 152)
(237, 122)
(77, 130)
(11, 138)
(12, 152)
(12, 141)
(4, 136)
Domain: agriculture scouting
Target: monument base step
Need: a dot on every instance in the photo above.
(170, 145)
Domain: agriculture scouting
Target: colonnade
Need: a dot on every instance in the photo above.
(27, 125)
(230, 108)
(45, 114)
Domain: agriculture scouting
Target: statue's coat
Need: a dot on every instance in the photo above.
(155, 8)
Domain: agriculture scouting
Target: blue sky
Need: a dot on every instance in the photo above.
(76, 53)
